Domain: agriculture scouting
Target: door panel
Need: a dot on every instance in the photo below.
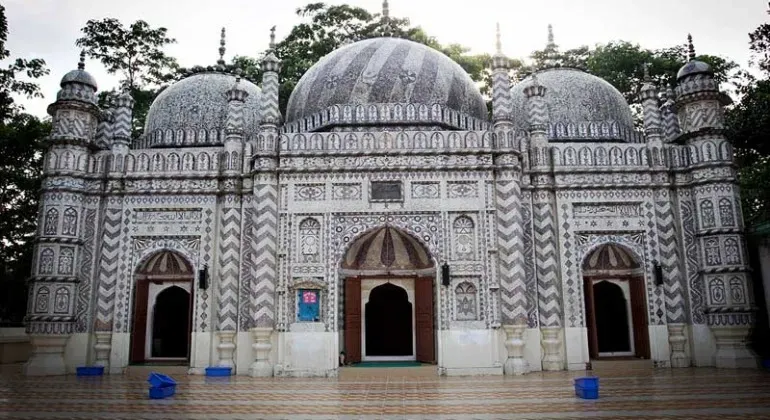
(353, 319)
(139, 327)
(639, 314)
(423, 296)
(593, 340)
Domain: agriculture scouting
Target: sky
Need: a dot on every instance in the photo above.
(48, 29)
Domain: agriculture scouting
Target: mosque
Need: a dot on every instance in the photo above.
(389, 217)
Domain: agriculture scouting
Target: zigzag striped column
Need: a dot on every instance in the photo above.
(229, 263)
(510, 249)
(547, 268)
(230, 227)
(266, 223)
(673, 279)
(112, 219)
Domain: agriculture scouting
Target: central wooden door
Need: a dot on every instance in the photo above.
(423, 311)
(353, 319)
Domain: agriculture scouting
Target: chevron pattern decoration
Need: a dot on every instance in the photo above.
(268, 108)
(122, 117)
(229, 262)
(248, 246)
(513, 290)
(546, 263)
(676, 311)
(265, 253)
(108, 269)
(502, 104)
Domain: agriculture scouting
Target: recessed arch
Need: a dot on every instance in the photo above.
(615, 302)
(162, 309)
(377, 257)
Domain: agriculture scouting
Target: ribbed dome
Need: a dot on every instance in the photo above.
(385, 71)
(78, 76)
(193, 111)
(166, 263)
(610, 257)
(694, 67)
(386, 249)
(581, 107)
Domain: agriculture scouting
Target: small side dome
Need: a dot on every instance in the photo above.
(694, 67)
(581, 107)
(193, 111)
(78, 76)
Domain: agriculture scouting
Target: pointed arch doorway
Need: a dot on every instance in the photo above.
(388, 280)
(615, 301)
(161, 325)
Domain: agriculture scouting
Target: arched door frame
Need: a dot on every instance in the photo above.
(636, 282)
(140, 311)
(425, 283)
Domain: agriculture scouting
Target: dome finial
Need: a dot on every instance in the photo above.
(272, 38)
(646, 69)
(386, 29)
(498, 44)
(221, 60)
(551, 42)
(82, 62)
(690, 48)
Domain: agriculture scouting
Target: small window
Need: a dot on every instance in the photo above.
(308, 305)
(386, 191)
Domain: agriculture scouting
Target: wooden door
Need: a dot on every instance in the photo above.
(190, 314)
(593, 340)
(139, 324)
(353, 319)
(423, 296)
(639, 315)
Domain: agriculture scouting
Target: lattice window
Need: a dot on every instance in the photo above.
(309, 240)
(70, 223)
(66, 258)
(713, 254)
(46, 261)
(732, 251)
(61, 302)
(726, 213)
(707, 214)
(464, 238)
(465, 302)
(51, 222)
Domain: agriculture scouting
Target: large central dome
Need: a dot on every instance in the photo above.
(385, 71)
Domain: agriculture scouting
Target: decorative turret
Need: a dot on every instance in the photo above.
(236, 98)
(671, 128)
(651, 114)
(502, 106)
(271, 67)
(719, 229)
(55, 277)
(537, 113)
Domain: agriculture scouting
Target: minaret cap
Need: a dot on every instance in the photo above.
(221, 61)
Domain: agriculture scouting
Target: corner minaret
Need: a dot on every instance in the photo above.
(265, 213)
(510, 252)
(723, 271)
(650, 110)
(55, 279)
(668, 114)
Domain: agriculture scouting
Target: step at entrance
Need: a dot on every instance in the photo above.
(621, 365)
(144, 370)
(392, 373)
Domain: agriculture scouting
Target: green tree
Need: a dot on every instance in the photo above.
(136, 53)
(20, 166)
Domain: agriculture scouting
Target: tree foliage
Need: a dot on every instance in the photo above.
(136, 53)
(20, 167)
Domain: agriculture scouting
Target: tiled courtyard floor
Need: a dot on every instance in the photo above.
(661, 394)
